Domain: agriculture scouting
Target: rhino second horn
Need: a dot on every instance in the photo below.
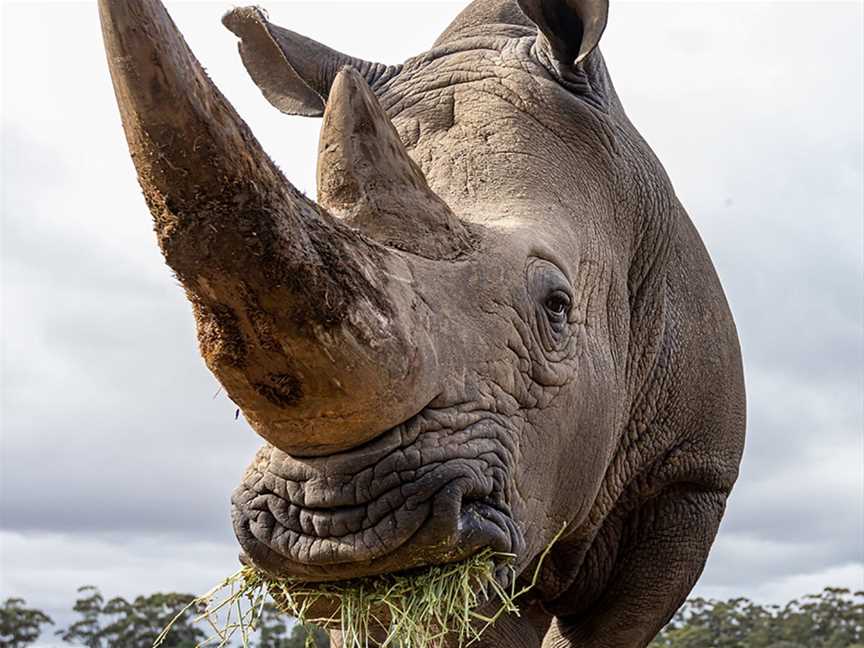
(297, 315)
(367, 177)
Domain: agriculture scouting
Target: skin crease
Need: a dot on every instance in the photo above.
(573, 358)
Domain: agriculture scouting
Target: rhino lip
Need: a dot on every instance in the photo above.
(436, 510)
(479, 525)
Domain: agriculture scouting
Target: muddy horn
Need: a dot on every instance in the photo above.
(312, 328)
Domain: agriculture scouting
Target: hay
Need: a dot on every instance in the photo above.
(416, 609)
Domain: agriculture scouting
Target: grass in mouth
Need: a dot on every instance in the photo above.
(415, 609)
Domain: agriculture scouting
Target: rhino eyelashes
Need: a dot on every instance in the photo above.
(558, 305)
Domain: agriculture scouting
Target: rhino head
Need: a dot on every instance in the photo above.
(496, 321)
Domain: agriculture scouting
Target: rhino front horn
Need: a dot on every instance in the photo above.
(366, 177)
(298, 315)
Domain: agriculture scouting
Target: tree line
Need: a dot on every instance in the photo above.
(832, 619)
(118, 623)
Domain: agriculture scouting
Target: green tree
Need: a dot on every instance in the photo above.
(307, 637)
(832, 619)
(273, 632)
(139, 623)
(272, 629)
(87, 630)
(121, 624)
(20, 626)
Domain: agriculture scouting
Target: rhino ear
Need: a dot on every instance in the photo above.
(572, 27)
(294, 72)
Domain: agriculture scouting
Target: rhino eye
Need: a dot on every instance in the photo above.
(552, 295)
(558, 305)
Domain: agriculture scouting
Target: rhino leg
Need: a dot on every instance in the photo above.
(662, 549)
(524, 631)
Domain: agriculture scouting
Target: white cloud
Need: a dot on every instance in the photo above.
(778, 591)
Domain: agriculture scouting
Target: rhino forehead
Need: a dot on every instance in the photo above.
(485, 119)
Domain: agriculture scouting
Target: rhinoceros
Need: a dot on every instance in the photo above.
(496, 320)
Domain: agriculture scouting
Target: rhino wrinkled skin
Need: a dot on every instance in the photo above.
(497, 320)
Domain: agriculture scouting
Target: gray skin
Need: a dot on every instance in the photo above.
(498, 320)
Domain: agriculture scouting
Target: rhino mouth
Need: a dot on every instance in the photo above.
(430, 491)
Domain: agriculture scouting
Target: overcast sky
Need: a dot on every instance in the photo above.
(119, 453)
